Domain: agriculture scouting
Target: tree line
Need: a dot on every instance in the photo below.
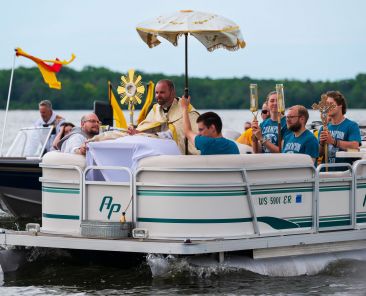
(81, 88)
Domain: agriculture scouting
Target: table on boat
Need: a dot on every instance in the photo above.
(125, 152)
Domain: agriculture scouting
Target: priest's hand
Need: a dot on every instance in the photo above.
(132, 131)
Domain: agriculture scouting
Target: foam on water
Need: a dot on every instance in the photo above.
(280, 267)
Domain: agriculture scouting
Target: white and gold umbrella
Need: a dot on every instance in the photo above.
(212, 30)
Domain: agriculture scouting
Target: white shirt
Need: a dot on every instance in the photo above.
(40, 123)
(73, 143)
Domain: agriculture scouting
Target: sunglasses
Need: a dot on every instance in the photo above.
(264, 112)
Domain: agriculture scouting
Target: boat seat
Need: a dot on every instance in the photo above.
(59, 158)
(258, 166)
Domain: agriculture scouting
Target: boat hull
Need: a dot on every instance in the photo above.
(20, 189)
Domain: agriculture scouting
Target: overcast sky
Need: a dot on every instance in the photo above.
(304, 39)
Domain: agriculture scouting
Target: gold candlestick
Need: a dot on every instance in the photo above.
(254, 99)
(280, 98)
(280, 110)
(324, 108)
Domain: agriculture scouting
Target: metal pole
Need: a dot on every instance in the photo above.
(7, 106)
(186, 92)
(279, 132)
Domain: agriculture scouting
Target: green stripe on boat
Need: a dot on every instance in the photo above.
(361, 220)
(334, 188)
(237, 192)
(61, 190)
(335, 218)
(335, 223)
(195, 221)
(57, 216)
(190, 193)
(282, 190)
(274, 222)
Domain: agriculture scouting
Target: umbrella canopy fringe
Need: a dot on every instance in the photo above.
(230, 48)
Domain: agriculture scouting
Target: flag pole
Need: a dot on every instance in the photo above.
(7, 105)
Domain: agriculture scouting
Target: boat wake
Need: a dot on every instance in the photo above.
(205, 266)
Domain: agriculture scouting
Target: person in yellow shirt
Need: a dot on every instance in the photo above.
(246, 136)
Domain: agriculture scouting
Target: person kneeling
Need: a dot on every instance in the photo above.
(209, 139)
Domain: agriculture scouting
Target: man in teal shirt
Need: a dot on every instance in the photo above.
(299, 139)
(342, 133)
(209, 139)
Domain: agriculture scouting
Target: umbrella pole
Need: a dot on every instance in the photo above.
(186, 92)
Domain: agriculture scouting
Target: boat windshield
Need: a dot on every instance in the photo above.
(30, 142)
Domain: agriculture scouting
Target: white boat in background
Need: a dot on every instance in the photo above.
(20, 189)
(268, 204)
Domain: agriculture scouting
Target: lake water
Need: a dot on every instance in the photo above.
(232, 119)
(54, 272)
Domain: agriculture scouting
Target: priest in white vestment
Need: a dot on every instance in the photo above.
(166, 117)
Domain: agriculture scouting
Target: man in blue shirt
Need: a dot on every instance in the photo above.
(299, 139)
(265, 135)
(209, 139)
(342, 133)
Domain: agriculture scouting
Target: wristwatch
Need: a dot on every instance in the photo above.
(263, 140)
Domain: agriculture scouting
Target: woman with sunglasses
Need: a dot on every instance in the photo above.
(265, 136)
(246, 136)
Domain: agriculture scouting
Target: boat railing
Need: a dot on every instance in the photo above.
(30, 142)
(94, 183)
(336, 177)
(246, 184)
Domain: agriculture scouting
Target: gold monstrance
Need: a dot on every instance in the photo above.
(324, 108)
(254, 99)
(131, 91)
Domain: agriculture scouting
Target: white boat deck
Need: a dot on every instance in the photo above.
(272, 246)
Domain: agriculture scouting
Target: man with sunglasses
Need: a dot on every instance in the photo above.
(299, 139)
(75, 141)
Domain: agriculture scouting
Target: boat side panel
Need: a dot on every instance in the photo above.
(334, 204)
(171, 212)
(283, 207)
(61, 207)
(361, 203)
(107, 203)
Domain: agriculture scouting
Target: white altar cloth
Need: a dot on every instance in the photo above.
(126, 152)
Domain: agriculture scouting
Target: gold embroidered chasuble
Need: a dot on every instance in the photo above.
(158, 121)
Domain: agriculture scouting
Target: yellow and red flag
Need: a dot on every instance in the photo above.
(48, 71)
(117, 112)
